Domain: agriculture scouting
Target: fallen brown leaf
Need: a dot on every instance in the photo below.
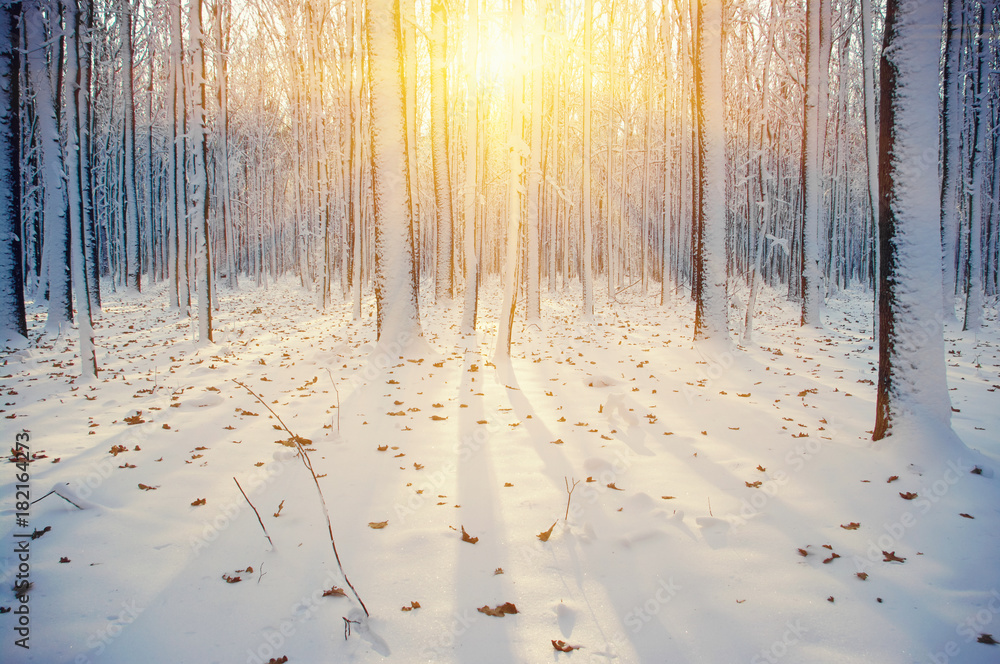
(544, 536)
(562, 646)
(499, 611)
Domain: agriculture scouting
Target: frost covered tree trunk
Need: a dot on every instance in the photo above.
(221, 14)
(911, 377)
(533, 206)
(355, 164)
(587, 230)
(981, 111)
(395, 289)
(471, 151)
(73, 94)
(444, 285)
(515, 149)
(951, 164)
(812, 167)
(178, 163)
(871, 129)
(133, 261)
(711, 313)
(199, 188)
(13, 325)
(56, 245)
(86, 157)
(761, 207)
(409, 31)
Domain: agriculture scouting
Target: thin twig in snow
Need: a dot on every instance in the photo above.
(255, 512)
(326, 512)
(338, 398)
(569, 495)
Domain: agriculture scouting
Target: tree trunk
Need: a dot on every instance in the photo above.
(911, 377)
(56, 245)
(471, 151)
(587, 230)
(533, 207)
(199, 189)
(444, 266)
(395, 291)
(13, 325)
(73, 95)
(711, 308)
(814, 125)
(515, 148)
(951, 165)
(133, 260)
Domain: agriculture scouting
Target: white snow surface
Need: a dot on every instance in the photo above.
(672, 551)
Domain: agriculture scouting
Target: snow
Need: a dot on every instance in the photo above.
(667, 555)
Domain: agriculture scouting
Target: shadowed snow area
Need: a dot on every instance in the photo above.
(728, 507)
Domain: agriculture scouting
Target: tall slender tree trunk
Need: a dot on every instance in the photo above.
(56, 245)
(133, 260)
(471, 159)
(199, 190)
(511, 276)
(13, 324)
(812, 168)
(73, 96)
(972, 319)
(951, 165)
(444, 265)
(409, 31)
(533, 206)
(91, 247)
(587, 222)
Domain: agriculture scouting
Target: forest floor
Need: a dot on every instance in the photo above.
(730, 507)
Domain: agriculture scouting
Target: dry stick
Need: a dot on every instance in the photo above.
(338, 398)
(255, 512)
(308, 464)
(569, 494)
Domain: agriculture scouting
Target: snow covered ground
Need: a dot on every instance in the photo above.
(730, 506)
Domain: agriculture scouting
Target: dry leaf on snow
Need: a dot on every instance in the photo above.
(468, 538)
(499, 611)
(544, 536)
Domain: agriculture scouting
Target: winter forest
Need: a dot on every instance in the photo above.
(499, 331)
